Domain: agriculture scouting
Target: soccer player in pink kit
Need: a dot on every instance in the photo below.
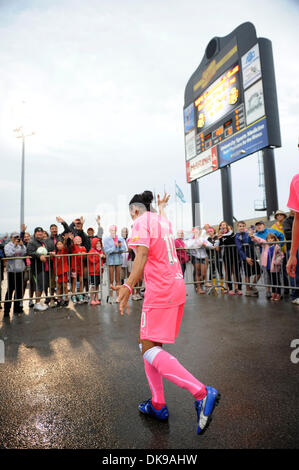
(162, 310)
(293, 203)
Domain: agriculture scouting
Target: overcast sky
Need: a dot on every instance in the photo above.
(103, 83)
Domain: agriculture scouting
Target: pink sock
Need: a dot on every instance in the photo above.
(170, 368)
(155, 381)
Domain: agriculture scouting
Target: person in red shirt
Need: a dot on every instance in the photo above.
(181, 251)
(77, 263)
(60, 269)
(95, 269)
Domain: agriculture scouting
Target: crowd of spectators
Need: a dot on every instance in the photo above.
(69, 265)
(53, 265)
(229, 260)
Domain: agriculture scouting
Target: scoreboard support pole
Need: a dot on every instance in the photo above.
(270, 181)
(195, 201)
(227, 198)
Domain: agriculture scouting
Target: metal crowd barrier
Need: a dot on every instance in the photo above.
(40, 280)
(67, 274)
(222, 269)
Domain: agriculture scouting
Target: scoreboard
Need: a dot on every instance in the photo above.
(226, 104)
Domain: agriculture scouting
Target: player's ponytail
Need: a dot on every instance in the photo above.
(147, 197)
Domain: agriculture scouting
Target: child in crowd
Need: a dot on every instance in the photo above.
(199, 257)
(61, 268)
(77, 263)
(271, 261)
(214, 262)
(95, 269)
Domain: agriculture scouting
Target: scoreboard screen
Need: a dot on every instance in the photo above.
(219, 110)
(219, 99)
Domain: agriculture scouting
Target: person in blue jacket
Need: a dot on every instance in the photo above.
(114, 247)
(262, 231)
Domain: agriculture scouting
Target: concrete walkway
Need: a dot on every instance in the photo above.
(72, 378)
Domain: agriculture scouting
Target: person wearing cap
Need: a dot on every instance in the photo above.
(114, 246)
(90, 233)
(279, 216)
(15, 269)
(39, 266)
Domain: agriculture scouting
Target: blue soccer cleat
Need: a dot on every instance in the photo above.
(205, 408)
(147, 408)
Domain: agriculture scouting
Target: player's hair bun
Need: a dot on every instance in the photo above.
(148, 197)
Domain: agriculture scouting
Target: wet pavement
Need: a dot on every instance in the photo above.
(73, 377)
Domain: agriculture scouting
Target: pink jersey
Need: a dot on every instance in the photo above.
(293, 202)
(163, 276)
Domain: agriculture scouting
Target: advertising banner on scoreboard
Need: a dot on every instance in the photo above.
(251, 66)
(189, 121)
(254, 102)
(202, 164)
(190, 145)
(248, 141)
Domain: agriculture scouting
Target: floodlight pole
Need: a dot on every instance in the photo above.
(22, 136)
(22, 181)
(195, 202)
(227, 197)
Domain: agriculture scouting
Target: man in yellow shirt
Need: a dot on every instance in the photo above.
(280, 216)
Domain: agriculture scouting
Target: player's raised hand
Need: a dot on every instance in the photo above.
(162, 203)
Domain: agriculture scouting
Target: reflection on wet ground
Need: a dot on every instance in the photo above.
(72, 378)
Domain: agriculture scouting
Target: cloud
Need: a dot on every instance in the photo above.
(104, 85)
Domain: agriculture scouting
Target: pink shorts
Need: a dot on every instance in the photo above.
(161, 325)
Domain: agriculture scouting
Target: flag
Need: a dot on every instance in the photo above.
(179, 193)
